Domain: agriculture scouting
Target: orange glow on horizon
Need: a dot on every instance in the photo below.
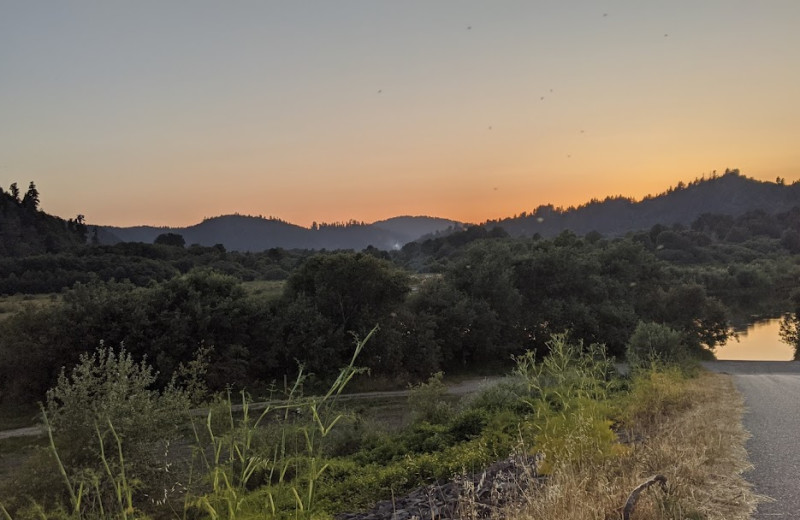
(468, 203)
(315, 112)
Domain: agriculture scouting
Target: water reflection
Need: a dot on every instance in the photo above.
(760, 342)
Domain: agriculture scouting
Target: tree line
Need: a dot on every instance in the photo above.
(491, 296)
(138, 263)
(497, 297)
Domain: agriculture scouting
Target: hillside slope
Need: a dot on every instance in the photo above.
(729, 194)
(26, 230)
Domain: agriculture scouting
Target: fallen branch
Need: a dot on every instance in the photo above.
(634, 496)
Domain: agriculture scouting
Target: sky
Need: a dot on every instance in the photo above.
(167, 112)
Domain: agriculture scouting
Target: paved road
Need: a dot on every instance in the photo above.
(771, 391)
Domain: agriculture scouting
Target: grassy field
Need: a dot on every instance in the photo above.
(10, 305)
(272, 289)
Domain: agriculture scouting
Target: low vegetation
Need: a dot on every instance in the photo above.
(134, 452)
(693, 437)
(498, 299)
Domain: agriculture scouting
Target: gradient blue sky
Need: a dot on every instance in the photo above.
(165, 112)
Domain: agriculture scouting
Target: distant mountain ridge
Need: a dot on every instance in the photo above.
(728, 194)
(249, 233)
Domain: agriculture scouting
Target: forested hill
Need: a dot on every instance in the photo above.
(248, 233)
(26, 230)
(729, 194)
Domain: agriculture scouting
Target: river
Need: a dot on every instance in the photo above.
(759, 342)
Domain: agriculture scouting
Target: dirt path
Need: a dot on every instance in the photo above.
(468, 386)
(29, 431)
(772, 396)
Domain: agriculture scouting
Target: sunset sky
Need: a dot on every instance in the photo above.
(166, 112)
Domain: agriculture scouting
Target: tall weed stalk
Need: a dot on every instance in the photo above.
(568, 395)
(281, 447)
(87, 490)
(231, 455)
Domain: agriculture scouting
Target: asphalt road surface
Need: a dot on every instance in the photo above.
(771, 392)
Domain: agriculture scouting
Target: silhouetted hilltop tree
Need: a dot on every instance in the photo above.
(334, 225)
(31, 199)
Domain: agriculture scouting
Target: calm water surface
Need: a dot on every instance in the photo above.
(760, 342)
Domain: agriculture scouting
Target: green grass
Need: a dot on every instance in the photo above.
(387, 413)
(12, 304)
(272, 289)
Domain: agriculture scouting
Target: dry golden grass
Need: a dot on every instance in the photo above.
(699, 449)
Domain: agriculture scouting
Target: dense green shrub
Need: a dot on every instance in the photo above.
(506, 394)
(105, 407)
(427, 401)
(655, 342)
